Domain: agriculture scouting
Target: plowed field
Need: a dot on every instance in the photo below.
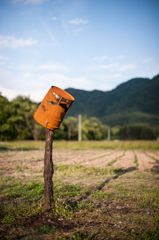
(33, 159)
(100, 193)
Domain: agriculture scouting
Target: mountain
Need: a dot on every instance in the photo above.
(136, 100)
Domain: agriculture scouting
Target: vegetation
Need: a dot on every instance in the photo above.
(17, 123)
(136, 132)
(124, 145)
(90, 202)
(135, 101)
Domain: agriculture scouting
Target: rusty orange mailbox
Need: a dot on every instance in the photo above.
(53, 108)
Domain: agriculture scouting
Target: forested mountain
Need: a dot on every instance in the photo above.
(136, 100)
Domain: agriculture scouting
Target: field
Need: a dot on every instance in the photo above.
(102, 190)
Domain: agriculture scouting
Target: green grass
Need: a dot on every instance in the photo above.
(113, 161)
(124, 145)
(71, 168)
(135, 161)
(151, 157)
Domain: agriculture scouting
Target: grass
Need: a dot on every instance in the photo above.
(151, 157)
(135, 161)
(129, 200)
(113, 161)
(124, 145)
(90, 202)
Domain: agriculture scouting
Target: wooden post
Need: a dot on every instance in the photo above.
(108, 133)
(48, 171)
(79, 128)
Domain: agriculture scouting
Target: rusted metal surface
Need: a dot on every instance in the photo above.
(53, 108)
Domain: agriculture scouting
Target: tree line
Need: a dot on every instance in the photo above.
(17, 123)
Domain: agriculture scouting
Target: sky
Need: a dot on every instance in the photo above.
(82, 44)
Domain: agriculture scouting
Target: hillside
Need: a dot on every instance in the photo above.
(136, 100)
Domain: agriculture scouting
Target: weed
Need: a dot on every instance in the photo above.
(147, 235)
(135, 161)
(67, 190)
(8, 219)
(113, 161)
(2, 169)
(77, 236)
(25, 167)
(151, 157)
(47, 229)
(99, 194)
(18, 169)
(34, 190)
(89, 170)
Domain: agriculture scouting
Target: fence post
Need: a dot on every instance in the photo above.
(48, 171)
(79, 128)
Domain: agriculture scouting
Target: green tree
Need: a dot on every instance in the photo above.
(136, 132)
(93, 129)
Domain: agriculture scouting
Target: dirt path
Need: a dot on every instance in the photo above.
(127, 161)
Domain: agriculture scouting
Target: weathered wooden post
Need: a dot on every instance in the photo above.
(50, 114)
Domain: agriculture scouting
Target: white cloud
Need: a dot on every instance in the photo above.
(46, 66)
(120, 57)
(26, 67)
(9, 93)
(103, 67)
(52, 67)
(3, 58)
(78, 21)
(111, 76)
(29, 1)
(79, 30)
(127, 67)
(54, 18)
(147, 60)
(64, 81)
(103, 58)
(36, 84)
(12, 42)
(149, 74)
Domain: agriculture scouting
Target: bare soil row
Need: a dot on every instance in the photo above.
(33, 159)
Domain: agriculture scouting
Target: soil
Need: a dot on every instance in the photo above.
(146, 162)
(34, 159)
(110, 217)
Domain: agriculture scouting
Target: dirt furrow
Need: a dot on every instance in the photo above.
(145, 162)
(80, 157)
(152, 154)
(126, 162)
(102, 162)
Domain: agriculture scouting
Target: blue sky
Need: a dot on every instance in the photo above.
(84, 44)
